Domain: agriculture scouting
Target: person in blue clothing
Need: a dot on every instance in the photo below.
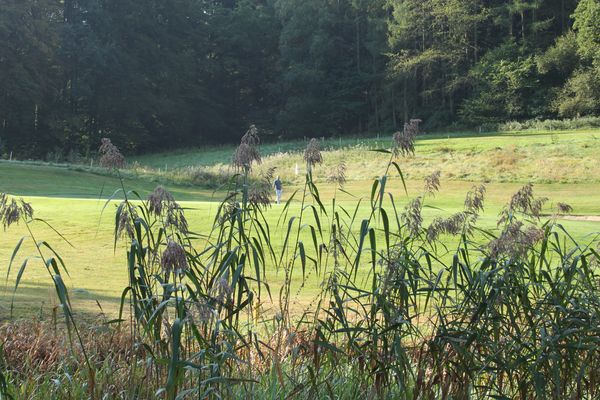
(278, 188)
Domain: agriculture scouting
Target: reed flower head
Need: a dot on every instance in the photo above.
(453, 225)
(200, 312)
(523, 202)
(176, 217)
(247, 152)
(229, 208)
(11, 210)
(269, 174)
(159, 200)
(563, 208)
(474, 200)
(404, 141)
(125, 219)
(174, 259)
(412, 216)
(312, 154)
(251, 136)
(110, 155)
(259, 196)
(432, 183)
(162, 203)
(221, 289)
(515, 241)
(338, 175)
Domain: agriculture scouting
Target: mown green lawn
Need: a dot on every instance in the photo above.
(73, 201)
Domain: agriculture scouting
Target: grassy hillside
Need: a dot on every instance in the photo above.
(528, 156)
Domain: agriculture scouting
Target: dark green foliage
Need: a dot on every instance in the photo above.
(155, 74)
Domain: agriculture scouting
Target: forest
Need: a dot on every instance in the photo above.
(160, 74)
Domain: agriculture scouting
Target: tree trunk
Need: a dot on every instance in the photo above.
(562, 15)
(394, 109)
(405, 99)
(523, 25)
(475, 49)
(358, 44)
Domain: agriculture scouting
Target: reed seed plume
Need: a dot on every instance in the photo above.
(247, 152)
(412, 216)
(176, 217)
(453, 226)
(110, 155)
(260, 196)
(269, 174)
(563, 208)
(221, 290)
(432, 183)
(159, 200)
(162, 204)
(475, 199)
(515, 241)
(200, 312)
(251, 136)
(259, 193)
(12, 210)
(525, 202)
(125, 220)
(338, 175)
(312, 154)
(174, 259)
(404, 141)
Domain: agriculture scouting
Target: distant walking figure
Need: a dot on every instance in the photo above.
(278, 187)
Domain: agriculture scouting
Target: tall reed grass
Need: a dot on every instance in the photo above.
(400, 315)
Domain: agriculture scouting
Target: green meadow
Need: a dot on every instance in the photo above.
(565, 167)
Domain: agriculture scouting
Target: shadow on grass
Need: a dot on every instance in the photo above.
(39, 300)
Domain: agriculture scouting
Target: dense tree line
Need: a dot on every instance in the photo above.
(153, 74)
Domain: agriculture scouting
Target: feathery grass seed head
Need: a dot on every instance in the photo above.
(404, 141)
(222, 290)
(110, 155)
(474, 200)
(432, 183)
(338, 175)
(174, 259)
(158, 200)
(259, 196)
(200, 312)
(247, 152)
(162, 203)
(563, 208)
(515, 241)
(412, 216)
(524, 202)
(176, 217)
(126, 218)
(11, 210)
(312, 154)
(453, 225)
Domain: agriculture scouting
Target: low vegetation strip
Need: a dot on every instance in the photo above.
(526, 156)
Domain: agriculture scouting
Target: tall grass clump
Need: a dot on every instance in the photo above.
(549, 124)
(510, 313)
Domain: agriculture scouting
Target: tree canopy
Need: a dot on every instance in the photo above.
(156, 74)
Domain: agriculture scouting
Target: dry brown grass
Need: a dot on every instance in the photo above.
(32, 347)
(505, 158)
